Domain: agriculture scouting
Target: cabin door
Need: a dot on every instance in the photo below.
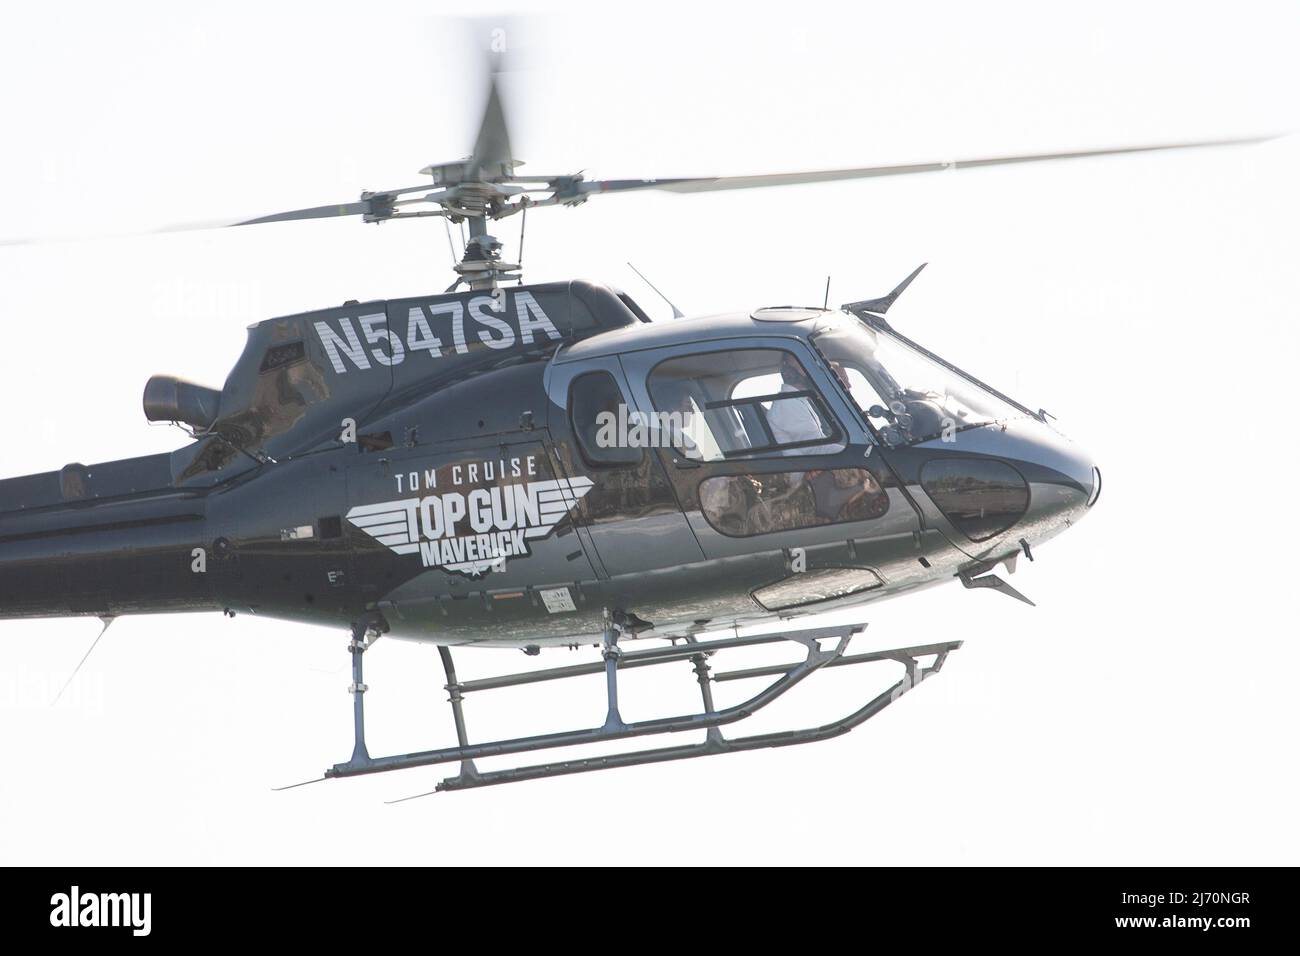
(631, 514)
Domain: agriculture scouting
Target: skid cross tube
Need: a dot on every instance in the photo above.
(467, 768)
(792, 675)
(357, 647)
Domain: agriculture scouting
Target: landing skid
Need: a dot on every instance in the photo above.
(710, 720)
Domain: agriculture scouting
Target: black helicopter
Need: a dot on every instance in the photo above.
(535, 466)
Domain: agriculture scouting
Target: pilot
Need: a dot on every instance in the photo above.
(842, 375)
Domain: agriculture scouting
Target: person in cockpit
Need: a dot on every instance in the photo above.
(795, 420)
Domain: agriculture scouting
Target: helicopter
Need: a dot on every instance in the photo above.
(538, 466)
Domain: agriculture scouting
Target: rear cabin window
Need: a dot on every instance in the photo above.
(596, 410)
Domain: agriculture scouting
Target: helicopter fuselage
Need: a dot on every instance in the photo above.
(501, 468)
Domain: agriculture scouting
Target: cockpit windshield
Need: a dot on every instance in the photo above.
(906, 395)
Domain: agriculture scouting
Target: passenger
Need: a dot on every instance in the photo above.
(796, 420)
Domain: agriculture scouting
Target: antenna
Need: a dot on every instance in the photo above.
(106, 621)
(677, 313)
(826, 299)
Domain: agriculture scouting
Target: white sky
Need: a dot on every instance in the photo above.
(1142, 713)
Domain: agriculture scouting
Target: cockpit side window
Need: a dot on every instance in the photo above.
(742, 403)
(599, 416)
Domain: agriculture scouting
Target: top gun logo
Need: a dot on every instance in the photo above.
(472, 533)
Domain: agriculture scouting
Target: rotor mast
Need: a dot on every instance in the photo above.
(481, 266)
(478, 188)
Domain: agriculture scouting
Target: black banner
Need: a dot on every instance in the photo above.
(1173, 907)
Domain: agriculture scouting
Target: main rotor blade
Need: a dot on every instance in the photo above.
(492, 156)
(380, 204)
(716, 183)
(493, 39)
(315, 212)
(132, 234)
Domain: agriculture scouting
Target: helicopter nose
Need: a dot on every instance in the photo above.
(1064, 483)
(1027, 485)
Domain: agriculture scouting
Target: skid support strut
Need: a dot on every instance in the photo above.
(356, 647)
(823, 647)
